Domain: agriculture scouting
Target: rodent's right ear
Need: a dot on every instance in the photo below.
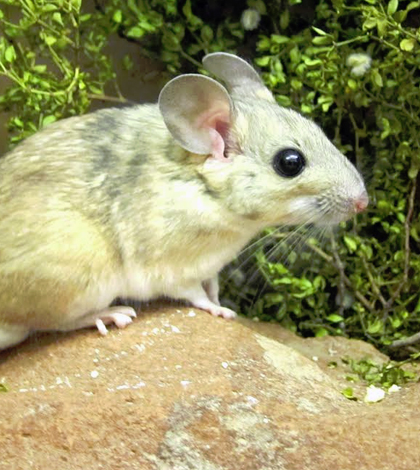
(197, 110)
(239, 77)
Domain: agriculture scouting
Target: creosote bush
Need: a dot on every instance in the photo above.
(351, 66)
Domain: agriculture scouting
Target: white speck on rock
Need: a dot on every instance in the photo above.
(315, 358)
(374, 394)
(251, 400)
(94, 374)
(122, 387)
(394, 388)
(175, 329)
(139, 385)
(191, 313)
(225, 365)
(184, 383)
(140, 347)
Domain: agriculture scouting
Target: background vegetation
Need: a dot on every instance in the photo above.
(361, 281)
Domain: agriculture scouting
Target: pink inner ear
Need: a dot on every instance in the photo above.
(217, 125)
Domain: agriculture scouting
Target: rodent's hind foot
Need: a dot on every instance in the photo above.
(121, 316)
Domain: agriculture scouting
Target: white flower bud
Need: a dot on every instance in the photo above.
(359, 62)
(250, 19)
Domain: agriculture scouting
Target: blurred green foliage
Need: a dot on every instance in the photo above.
(351, 66)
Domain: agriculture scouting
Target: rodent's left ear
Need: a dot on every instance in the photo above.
(239, 77)
(197, 110)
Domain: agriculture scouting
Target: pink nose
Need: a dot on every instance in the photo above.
(361, 203)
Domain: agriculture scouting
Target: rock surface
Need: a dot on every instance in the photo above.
(182, 390)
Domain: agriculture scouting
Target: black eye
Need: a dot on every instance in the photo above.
(288, 162)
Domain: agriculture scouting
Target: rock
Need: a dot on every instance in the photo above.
(181, 390)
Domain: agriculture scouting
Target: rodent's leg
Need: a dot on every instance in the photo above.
(200, 299)
(11, 335)
(211, 286)
(121, 316)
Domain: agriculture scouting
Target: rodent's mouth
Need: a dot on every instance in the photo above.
(324, 211)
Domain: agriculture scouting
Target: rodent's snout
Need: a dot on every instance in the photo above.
(360, 203)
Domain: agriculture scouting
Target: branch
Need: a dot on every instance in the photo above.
(400, 343)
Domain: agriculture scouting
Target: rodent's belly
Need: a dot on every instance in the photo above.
(147, 280)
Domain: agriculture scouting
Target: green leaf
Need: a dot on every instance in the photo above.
(263, 61)
(206, 34)
(321, 332)
(352, 84)
(392, 7)
(3, 387)
(321, 40)
(407, 44)
(117, 16)
(278, 39)
(375, 327)
(48, 120)
(57, 18)
(350, 243)
(377, 78)
(348, 393)
(41, 68)
(320, 31)
(135, 32)
(50, 40)
(334, 318)
(10, 54)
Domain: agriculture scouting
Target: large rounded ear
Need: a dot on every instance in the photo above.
(239, 77)
(198, 112)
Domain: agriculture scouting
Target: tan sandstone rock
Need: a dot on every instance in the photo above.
(182, 390)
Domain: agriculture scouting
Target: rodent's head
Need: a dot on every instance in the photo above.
(268, 163)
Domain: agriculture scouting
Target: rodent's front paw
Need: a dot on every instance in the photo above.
(224, 312)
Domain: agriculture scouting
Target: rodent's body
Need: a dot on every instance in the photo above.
(104, 242)
(154, 200)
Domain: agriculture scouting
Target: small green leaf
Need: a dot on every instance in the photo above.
(135, 32)
(117, 16)
(407, 44)
(206, 34)
(39, 68)
(334, 318)
(48, 120)
(377, 78)
(350, 243)
(321, 332)
(50, 40)
(3, 387)
(278, 39)
(352, 84)
(263, 61)
(375, 327)
(57, 18)
(10, 54)
(392, 7)
(321, 40)
(348, 393)
(320, 31)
